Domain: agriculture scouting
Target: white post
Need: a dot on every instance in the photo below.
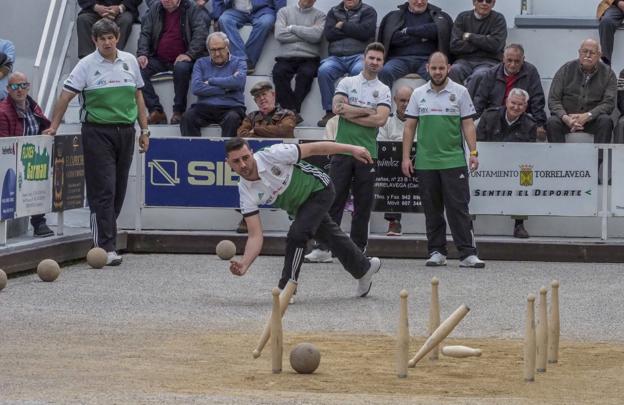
(606, 160)
(60, 223)
(138, 159)
(3, 233)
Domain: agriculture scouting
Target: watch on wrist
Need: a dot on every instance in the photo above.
(474, 153)
(145, 131)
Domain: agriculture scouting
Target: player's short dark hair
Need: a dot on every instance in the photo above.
(375, 46)
(233, 144)
(104, 27)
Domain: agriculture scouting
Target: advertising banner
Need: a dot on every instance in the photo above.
(185, 172)
(34, 175)
(8, 161)
(617, 185)
(69, 180)
(535, 179)
(393, 191)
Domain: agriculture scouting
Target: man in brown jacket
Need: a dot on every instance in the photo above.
(270, 120)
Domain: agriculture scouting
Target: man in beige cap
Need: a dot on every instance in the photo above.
(270, 120)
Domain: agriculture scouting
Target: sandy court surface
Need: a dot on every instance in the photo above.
(180, 329)
(140, 365)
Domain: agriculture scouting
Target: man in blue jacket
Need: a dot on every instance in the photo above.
(218, 82)
(233, 14)
(349, 28)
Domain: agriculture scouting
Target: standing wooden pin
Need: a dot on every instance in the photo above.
(529, 340)
(553, 324)
(403, 337)
(542, 332)
(276, 333)
(434, 315)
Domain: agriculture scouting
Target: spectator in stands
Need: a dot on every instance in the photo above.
(477, 42)
(233, 14)
(110, 82)
(123, 12)
(513, 72)
(510, 123)
(410, 34)
(392, 131)
(270, 120)
(20, 115)
(618, 133)
(205, 12)
(218, 81)
(299, 30)
(611, 14)
(173, 37)
(363, 104)
(349, 28)
(582, 97)
(7, 59)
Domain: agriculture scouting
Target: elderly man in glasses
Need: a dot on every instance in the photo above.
(21, 116)
(477, 43)
(582, 97)
(218, 82)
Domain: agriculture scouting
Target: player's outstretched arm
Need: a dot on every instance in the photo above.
(333, 148)
(253, 246)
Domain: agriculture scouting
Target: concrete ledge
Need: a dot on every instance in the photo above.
(409, 246)
(26, 256)
(549, 21)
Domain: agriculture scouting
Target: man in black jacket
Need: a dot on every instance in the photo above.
(349, 28)
(123, 12)
(513, 72)
(173, 36)
(509, 123)
(477, 42)
(410, 34)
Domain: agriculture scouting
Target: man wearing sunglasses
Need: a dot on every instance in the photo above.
(477, 42)
(20, 115)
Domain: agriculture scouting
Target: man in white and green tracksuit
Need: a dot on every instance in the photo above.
(363, 104)
(277, 176)
(443, 111)
(110, 83)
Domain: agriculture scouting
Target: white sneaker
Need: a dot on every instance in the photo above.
(366, 282)
(318, 256)
(113, 259)
(472, 261)
(436, 259)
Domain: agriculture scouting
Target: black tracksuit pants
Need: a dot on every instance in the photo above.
(349, 174)
(448, 190)
(313, 221)
(108, 151)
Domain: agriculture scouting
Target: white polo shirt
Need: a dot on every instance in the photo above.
(361, 93)
(439, 132)
(108, 88)
(285, 181)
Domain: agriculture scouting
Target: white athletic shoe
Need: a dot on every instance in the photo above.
(318, 256)
(472, 261)
(366, 282)
(436, 259)
(113, 259)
